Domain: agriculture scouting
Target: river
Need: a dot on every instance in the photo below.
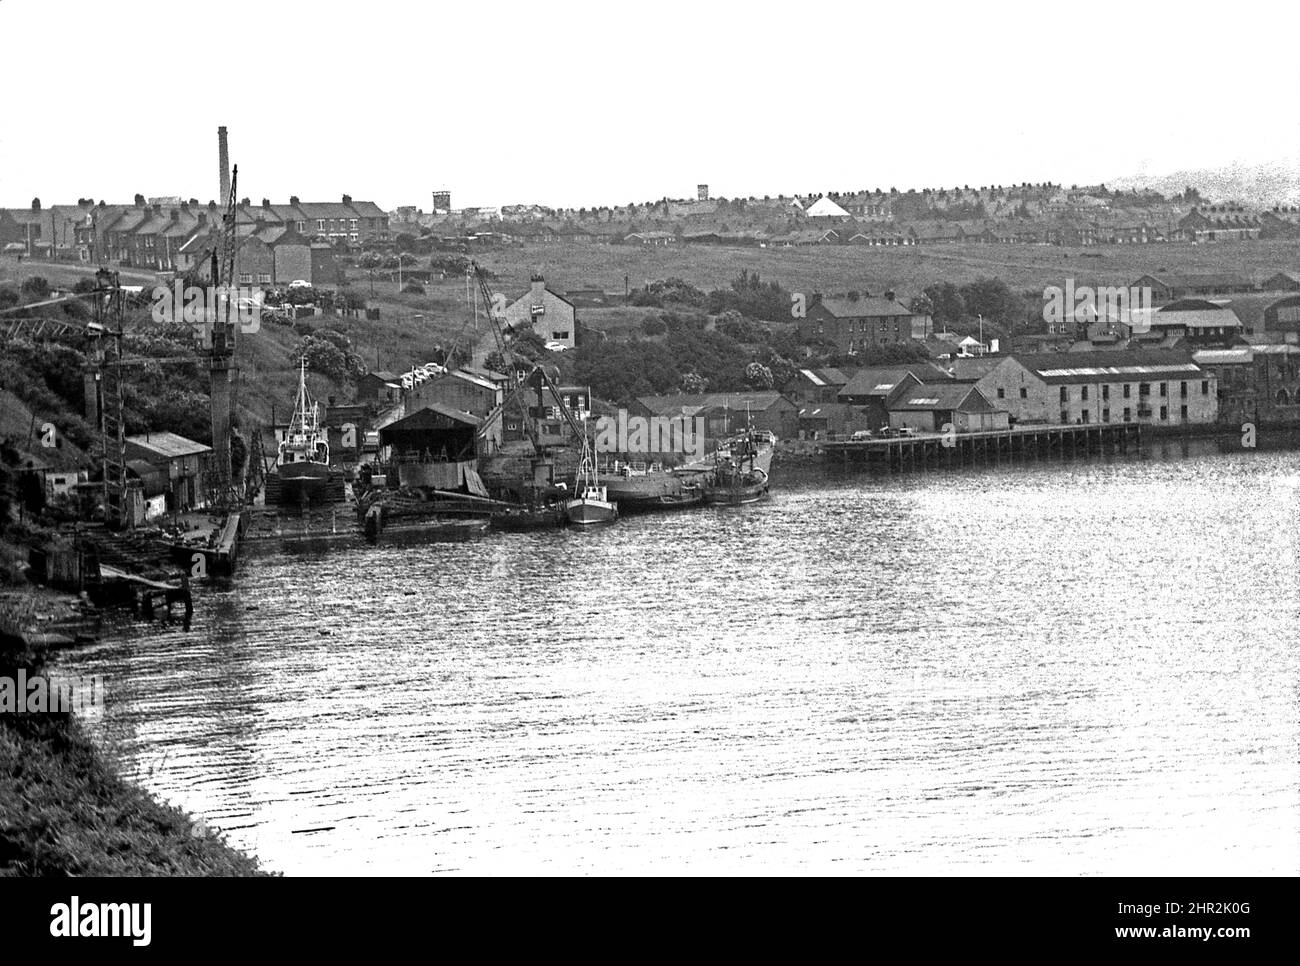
(1086, 668)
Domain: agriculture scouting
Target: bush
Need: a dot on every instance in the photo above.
(413, 288)
(35, 287)
(653, 325)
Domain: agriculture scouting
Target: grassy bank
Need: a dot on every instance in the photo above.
(65, 812)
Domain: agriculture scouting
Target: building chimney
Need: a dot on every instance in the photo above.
(293, 199)
(223, 160)
(347, 199)
(538, 284)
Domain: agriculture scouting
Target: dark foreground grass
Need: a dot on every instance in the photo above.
(65, 812)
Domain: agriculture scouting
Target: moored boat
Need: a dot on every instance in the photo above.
(549, 517)
(592, 505)
(740, 471)
(640, 487)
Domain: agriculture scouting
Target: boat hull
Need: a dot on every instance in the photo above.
(542, 518)
(303, 481)
(590, 513)
(738, 490)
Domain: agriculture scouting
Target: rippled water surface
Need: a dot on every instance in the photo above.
(1071, 669)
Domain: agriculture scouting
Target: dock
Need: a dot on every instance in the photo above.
(1022, 444)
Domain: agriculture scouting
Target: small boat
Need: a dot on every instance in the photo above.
(523, 518)
(592, 505)
(737, 477)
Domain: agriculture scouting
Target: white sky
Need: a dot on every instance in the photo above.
(576, 103)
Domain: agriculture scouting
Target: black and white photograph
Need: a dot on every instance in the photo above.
(690, 440)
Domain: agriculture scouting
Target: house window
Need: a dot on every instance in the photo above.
(246, 279)
(1128, 414)
(1164, 389)
(1083, 394)
(264, 278)
(1105, 415)
(1144, 390)
(1002, 393)
(1164, 412)
(1024, 393)
(1105, 392)
(1205, 387)
(1065, 416)
(1128, 390)
(1183, 389)
(1183, 414)
(558, 336)
(1065, 395)
(320, 224)
(353, 237)
(1085, 415)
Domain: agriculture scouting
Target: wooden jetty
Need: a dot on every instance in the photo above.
(1022, 444)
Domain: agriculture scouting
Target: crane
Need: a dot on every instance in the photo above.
(222, 368)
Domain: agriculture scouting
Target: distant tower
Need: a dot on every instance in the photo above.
(441, 202)
(223, 159)
(702, 192)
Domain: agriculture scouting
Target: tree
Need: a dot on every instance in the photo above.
(946, 301)
(694, 383)
(758, 376)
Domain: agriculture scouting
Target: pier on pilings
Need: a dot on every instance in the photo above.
(1023, 444)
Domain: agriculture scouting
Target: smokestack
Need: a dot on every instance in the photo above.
(223, 157)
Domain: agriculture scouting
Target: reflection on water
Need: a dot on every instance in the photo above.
(1085, 668)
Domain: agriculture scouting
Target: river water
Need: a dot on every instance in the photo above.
(1086, 668)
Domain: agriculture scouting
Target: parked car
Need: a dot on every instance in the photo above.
(887, 432)
(906, 431)
(861, 435)
(299, 283)
(556, 346)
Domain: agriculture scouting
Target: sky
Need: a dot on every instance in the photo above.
(582, 104)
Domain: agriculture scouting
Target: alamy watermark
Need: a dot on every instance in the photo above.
(1085, 304)
(50, 693)
(204, 307)
(653, 434)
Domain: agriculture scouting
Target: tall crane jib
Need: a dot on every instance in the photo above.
(222, 333)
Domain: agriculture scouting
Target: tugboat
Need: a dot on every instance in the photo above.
(303, 461)
(592, 505)
(738, 479)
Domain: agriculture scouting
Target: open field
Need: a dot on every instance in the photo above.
(834, 268)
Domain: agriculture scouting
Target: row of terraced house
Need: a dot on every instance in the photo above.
(279, 242)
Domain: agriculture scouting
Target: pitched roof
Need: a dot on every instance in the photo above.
(962, 397)
(877, 382)
(676, 403)
(168, 445)
(866, 306)
(825, 208)
(1122, 364)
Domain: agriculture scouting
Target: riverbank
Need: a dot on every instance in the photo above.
(64, 810)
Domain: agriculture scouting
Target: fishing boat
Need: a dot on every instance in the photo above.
(740, 473)
(303, 461)
(592, 505)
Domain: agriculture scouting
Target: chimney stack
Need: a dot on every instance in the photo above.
(223, 158)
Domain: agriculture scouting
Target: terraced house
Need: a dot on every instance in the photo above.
(1151, 387)
(859, 320)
